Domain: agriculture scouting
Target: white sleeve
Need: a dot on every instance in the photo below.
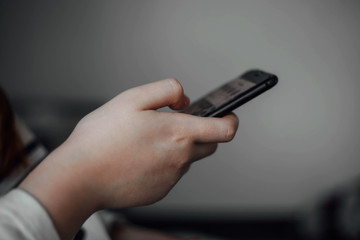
(23, 217)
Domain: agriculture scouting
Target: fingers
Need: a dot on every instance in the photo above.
(211, 130)
(202, 150)
(168, 92)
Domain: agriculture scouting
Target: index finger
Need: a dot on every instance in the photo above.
(211, 130)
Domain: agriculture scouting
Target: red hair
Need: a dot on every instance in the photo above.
(12, 151)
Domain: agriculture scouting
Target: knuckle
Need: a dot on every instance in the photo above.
(230, 132)
(180, 138)
(182, 143)
(176, 86)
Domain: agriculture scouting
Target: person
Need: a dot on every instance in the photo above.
(123, 154)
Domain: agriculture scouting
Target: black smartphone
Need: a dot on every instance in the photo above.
(233, 94)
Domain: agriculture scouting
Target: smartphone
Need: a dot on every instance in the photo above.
(233, 94)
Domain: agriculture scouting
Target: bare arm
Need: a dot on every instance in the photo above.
(124, 154)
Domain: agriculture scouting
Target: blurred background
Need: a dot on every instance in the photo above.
(293, 168)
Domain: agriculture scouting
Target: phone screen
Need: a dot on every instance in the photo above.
(219, 97)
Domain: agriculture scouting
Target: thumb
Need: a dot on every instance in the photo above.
(167, 92)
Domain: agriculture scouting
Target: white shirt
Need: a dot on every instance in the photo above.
(22, 217)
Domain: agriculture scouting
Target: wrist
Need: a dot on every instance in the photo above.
(56, 184)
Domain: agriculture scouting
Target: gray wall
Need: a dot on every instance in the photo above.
(294, 143)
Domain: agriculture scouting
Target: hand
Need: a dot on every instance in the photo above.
(125, 154)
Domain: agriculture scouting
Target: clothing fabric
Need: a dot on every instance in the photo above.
(22, 217)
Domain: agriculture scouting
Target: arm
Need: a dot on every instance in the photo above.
(124, 154)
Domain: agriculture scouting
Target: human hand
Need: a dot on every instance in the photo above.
(138, 153)
(125, 153)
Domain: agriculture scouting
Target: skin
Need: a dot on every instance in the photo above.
(125, 154)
